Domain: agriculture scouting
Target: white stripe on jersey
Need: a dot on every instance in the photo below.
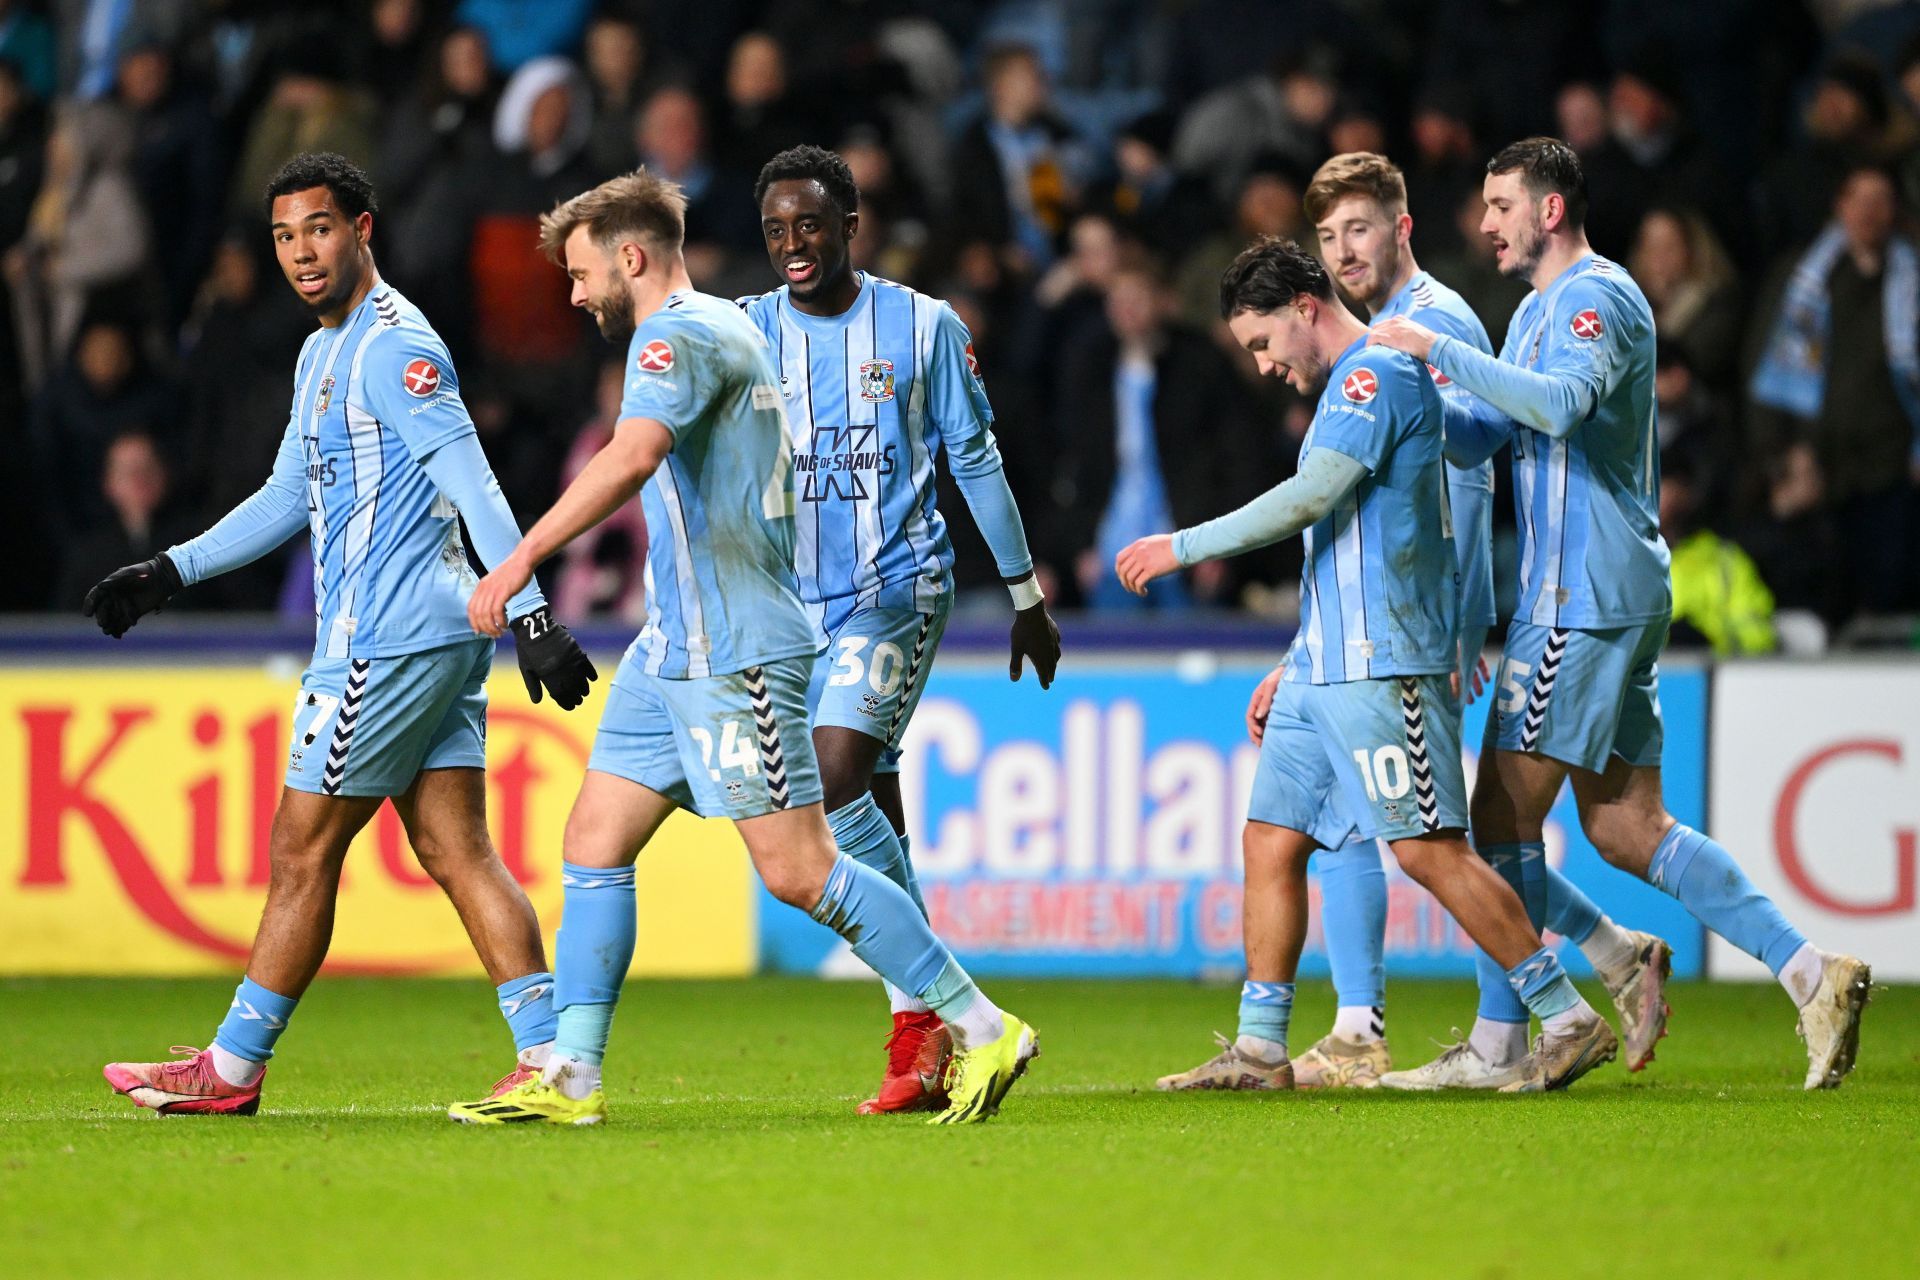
(919, 458)
(1546, 610)
(317, 494)
(1349, 561)
(369, 464)
(1316, 632)
(693, 616)
(651, 633)
(1523, 447)
(869, 523)
(806, 519)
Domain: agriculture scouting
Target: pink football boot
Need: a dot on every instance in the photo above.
(188, 1086)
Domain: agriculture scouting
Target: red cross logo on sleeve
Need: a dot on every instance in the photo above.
(1586, 326)
(655, 357)
(422, 378)
(1360, 386)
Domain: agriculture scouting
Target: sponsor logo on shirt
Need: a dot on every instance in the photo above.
(655, 357)
(421, 378)
(1360, 386)
(876, 381)
(973, 363)
(840, 460)
(1586, 326)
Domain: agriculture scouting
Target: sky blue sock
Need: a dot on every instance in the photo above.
(864, 834)
(1710, 884)
(1498, 1000)
(591, 954)
(1542, 985)
(1353, 916)
(1265, 1008)
(1521, 865)
(254, 1021)
(1570, 913)
(885, 929)
(913, 881)
(527, 1005)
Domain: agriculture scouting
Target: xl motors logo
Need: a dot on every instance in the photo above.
(138, 806)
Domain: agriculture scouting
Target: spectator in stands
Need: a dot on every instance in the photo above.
(1678, 263)
(177, 168)
(1284, 112)
(1844, 124)
(600, 574)
(619, 73)
(1581, 118)
(1154, 203)
(1069, 303)
(135, 488)
(1266, 204)
(1468, 268)
(1148, 446)
(1446, 167)
(26, 44)
(723, 226)
(94, 33)
(1650, 156)
(103, 392)
(1014, 168)
(758, 117)
(1841, 369)
(1795, 542)
(518, 31)
(893, 214)
(87, 241)
(23, 150)
(1719, 599)
(1695, 434)
(310, 107)
(396, 48)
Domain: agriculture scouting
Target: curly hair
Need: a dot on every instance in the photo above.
(1270, 273)
(810, 163)
(352, 189)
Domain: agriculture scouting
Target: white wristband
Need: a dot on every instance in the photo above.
(1026, 592)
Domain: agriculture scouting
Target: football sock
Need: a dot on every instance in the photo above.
(1521, 865)
(1610, 950)
(1570, 913)
(1711, 885)
(1544, 987)
(1360, 1023)
(1353, 914)
(254, 1021)
(1265, 1009)
(573, 1078)
(864, 834)
(591, 954)
(885, 929)
(905, 1001)
(1800, 975)
(1501, 1043)
(527, 1005)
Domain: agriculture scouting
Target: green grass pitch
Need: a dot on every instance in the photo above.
(733, 1148)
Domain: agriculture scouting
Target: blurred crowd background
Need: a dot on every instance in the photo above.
(1071, 174)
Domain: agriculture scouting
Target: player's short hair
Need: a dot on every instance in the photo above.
(1357, 173)
(1270, 273)
(1547, 166)
(808, 163)
(352, 189)
(637, 205)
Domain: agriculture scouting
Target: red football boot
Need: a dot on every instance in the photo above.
(916, 1078)
(189, 1086)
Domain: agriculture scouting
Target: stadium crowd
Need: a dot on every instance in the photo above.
(1071, 174)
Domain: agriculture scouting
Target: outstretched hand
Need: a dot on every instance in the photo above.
(1145, 559)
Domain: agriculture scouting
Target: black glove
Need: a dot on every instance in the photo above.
(550, 655)
(126, 595)
(1035, 636)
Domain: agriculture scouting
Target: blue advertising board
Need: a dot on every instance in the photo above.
(1094, 829)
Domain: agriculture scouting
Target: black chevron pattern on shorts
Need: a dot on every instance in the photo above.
(766, 731)
(1536, 713)
(907, 681)
(1414, 713)
(349, 715)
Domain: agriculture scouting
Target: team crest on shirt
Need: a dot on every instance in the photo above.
(1586, 326)
(876, 381)
(324, 399)
(421, 378)
(655, 357)
(1360, 386)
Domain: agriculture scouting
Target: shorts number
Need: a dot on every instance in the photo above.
(1386, 774)
(736, 750)
(883, 676)
(1513, 690)
(317, 708)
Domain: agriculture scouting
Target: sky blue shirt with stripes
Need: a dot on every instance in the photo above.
(1469, 489)
(1587, 499)
(720, 526)
(873, 395)
(1377, 592)
(375, 399)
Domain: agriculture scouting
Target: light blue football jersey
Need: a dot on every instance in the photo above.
(873, 395)
(1469, 489)
(374, 396)
(1377, 592)
(1591, 555)
(720, 526)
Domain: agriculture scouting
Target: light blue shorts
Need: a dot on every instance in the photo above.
(870, 676)
(1374, 759)
(368, 726)
(1581, 697)
(732, 746)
